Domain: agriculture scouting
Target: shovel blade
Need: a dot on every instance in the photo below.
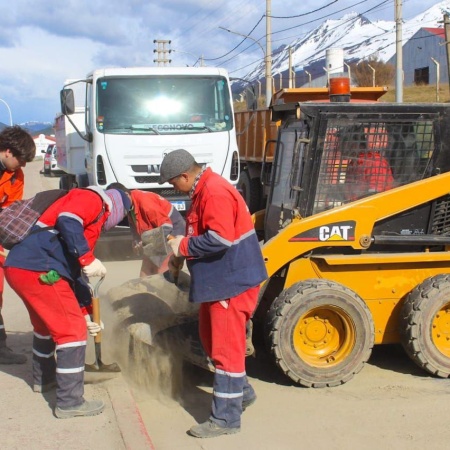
(99, 366)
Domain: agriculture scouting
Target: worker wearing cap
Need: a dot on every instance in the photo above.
(45, 270)
(226, 266)
(17, 148)
(149, 211)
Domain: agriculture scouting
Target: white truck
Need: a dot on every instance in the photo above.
(132, 117)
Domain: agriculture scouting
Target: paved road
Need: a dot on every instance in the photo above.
(391, 404)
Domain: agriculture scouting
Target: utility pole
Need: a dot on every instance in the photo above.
(447, 42)
(399, 52)
(268, 52)
(290, 67)
(162, 52)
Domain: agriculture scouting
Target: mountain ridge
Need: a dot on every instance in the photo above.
(358, 36)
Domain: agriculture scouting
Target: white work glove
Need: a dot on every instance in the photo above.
(93, 327)
(174, 244)
(95, 269)
(136, 247)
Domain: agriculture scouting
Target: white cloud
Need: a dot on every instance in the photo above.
(42, 43)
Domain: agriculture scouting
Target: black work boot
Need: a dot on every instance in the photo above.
(211, 429)
(7, 356)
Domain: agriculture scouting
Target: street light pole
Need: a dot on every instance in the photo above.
(268, 66)
(9, 110)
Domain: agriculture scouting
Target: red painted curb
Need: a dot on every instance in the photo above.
(129, 419)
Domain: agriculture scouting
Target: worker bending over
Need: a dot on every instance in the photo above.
(45, 270)
(148, 211)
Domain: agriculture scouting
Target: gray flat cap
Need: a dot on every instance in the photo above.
(175, 163)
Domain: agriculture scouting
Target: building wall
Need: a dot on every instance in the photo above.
(417, 53)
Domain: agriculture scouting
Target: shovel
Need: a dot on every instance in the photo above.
(98, 366)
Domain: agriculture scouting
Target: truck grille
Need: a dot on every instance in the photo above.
(441, 217)
(147, 179)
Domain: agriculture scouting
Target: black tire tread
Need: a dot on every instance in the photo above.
(411, 330)
(281, 306)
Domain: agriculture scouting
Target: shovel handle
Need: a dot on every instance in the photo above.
(96, 309)
(96, 317)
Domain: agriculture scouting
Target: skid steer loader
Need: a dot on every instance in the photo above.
(356, 238)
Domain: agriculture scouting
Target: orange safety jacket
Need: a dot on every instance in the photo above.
(11, 187)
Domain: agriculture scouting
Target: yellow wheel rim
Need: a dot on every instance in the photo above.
(440, 330)
(324, 337)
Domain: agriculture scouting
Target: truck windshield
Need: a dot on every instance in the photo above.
(168, 105)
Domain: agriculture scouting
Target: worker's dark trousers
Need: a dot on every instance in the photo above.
(222, 327)
(2, 331)
(44, 364)
(70, 374)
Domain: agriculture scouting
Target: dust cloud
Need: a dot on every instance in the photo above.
(147, 314)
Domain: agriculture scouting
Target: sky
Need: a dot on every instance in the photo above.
(45, 42)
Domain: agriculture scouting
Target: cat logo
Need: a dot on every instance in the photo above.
(339, 231)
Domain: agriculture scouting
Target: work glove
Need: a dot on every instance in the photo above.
(174, 244)
(137, 248)
(93, 327)
(175, 265)
(95, 269)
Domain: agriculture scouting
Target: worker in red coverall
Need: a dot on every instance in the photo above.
(226, 266)
(46, 270)
(149, 211)
(368, 172)
(16, 149)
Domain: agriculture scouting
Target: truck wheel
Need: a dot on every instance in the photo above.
(425, 325)
(320, 333)
(251, 190)
(65, 182)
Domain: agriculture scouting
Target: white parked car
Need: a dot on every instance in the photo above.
(50, 165)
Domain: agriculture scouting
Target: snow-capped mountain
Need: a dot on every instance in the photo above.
(355, 34)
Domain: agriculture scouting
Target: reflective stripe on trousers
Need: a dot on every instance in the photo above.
(44, 363)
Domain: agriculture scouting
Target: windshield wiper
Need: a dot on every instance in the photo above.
(135, 128)
(203, 127)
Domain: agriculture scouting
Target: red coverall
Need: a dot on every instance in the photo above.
(370, 173)
(76, 220)
(151, 211)
(226, 266)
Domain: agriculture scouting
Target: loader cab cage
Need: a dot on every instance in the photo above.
(338, 153)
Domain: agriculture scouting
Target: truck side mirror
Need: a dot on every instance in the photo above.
(67, 102)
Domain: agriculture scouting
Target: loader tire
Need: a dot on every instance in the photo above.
(320, 333)
(251, 190)
(425, 325)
